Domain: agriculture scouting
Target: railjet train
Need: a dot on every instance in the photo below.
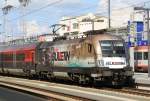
(98, 57)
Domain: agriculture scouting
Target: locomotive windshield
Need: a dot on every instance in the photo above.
(112, 48)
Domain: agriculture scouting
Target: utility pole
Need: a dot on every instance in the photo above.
(109, 20)
(23, 4)
(6, 10)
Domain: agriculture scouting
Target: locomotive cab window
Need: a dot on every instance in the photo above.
(106, 47)
(112, 48)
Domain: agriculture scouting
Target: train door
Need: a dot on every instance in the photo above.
(33, 62)
(28, 63)
(33, 57)
(50, 58)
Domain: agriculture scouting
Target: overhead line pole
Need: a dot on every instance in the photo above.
(109, 20)
(6, 10)
(37, 10)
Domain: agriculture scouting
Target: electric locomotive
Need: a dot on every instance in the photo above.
(97, 57)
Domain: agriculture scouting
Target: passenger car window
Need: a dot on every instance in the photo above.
(139, 55)
(145, 55)
(135, 55)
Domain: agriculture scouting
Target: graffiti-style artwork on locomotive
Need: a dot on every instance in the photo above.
(141, 59)
(70, 55)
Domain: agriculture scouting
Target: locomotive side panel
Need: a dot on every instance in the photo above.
(65, 56)
(73, 55)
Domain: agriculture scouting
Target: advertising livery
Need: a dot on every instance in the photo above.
(98, 57)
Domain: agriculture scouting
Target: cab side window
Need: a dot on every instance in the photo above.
(90, 48)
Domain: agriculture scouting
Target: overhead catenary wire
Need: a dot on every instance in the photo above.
(116, 9)
(104, 12)
(132, 5)
(76, 11)
(37, 10)
(54, 3)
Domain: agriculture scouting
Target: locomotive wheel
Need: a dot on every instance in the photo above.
(83, 79)
(50, 77)
(43, 75)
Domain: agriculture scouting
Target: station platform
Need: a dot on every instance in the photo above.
(142, 78)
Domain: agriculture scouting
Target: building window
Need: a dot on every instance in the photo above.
(100, 20)
(75, 25)
(135, 55)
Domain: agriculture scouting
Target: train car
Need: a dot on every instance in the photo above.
(17, 59)
(98, 57)
(141, 58)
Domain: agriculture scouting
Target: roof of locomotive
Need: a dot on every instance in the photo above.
(105, 36)
(59, 42)
(32, 46)
(93, 38)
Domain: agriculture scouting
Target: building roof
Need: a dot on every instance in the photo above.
(75, 17)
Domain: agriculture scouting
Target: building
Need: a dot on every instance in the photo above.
(81, 24)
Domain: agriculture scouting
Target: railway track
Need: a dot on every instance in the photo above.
(77, 93)
(46, 94)
(133, 91)
(137, 91)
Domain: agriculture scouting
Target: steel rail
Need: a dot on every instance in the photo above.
(128, 90)
(46, 94)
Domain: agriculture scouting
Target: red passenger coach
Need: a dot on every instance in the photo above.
(141, 59)
(17, 58)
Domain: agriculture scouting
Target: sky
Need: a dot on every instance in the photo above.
(40, 14)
